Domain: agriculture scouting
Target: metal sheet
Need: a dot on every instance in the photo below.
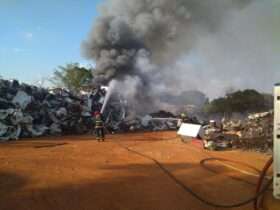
(190, 130)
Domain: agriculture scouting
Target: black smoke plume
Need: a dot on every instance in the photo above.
(141, 43)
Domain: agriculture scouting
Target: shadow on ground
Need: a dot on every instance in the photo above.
(129, 186)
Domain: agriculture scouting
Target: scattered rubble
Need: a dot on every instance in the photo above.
(255, 132)
(146, 123)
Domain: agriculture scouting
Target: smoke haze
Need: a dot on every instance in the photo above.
(152, 47)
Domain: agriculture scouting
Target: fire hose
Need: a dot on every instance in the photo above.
(222, 162)
(260, 182)
(261, 189)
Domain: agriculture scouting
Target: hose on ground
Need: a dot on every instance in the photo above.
(222, 160)
(196, 195)
(260, 182)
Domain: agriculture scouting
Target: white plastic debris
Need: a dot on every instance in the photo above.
(145, 120)
(3, 129)
(188, 131)
(258, 115)
(55, 129)
(22, 99)
(37, 130)
(5, 113)
(62, 112)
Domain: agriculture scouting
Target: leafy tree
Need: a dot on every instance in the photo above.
(71, 76)
(269, 100)
(240, 101)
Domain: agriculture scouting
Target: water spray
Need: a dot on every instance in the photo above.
(108, 95)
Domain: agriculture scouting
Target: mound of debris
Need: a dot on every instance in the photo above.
(29, 111)
(253, 133)
(257, 132)
(146, 123)
(162, 114)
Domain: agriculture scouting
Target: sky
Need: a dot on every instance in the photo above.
(36, 36)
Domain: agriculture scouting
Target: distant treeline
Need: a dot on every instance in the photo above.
(75, 78)
(244, 101)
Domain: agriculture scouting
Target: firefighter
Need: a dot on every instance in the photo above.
(99, 127)
(183, 119)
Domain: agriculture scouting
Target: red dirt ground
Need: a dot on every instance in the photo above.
(78, 173)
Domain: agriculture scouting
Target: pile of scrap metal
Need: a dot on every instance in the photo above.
(255, 132)
(150, 123)
(146, 123)
(215, 138)
(29, 111)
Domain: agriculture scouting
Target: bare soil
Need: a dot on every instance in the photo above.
(79, 173)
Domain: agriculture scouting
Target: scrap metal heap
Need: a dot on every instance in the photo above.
(253, 133)
(30, 111)
(258, 132)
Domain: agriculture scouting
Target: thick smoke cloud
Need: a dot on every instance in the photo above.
(156, 46)
(243, 53)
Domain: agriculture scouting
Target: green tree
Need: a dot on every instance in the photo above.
(269, 100)
(72, 77)
(239, 101)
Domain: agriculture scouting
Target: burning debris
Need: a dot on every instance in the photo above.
(29, 111)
